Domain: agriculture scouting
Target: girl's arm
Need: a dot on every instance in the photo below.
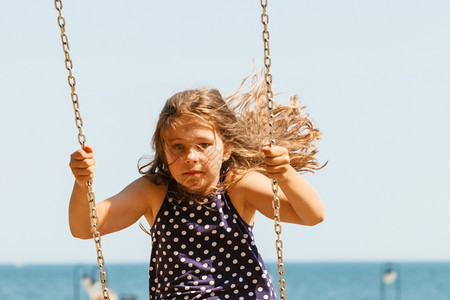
(115, 213)
(299, 202)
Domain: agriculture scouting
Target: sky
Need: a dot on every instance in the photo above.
(374, 75)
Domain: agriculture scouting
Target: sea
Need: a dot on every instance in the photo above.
(304, 281)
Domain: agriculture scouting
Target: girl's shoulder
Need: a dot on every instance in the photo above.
(145, 187)
(248, 193)
(148, 194)
(248, 182)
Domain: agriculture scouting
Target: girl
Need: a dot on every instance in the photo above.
(200, 192)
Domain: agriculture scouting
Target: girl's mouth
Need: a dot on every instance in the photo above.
(193, 172)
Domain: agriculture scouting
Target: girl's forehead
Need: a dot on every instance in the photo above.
(186, 127)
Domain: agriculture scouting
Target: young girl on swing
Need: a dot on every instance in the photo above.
(209, 175)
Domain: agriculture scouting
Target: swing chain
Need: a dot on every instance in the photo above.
(82, 140)
(270, 107)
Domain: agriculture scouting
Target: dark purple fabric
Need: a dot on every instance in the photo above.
(205, 252)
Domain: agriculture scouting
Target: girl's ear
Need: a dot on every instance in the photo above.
(227, 153)
(226, 156)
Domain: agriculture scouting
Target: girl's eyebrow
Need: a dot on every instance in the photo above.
(170, 141)
(190, 139)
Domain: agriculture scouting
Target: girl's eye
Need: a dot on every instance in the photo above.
(177, 147)
(204, 145)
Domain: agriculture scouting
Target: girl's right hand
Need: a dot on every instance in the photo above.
(82, 163)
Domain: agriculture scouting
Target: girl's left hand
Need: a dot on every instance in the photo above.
(277, 161)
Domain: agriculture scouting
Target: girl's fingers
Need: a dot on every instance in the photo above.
(83, 171)
(274, 151)
(278, 160)
(82, 164)
(86, 152)
(88, 149)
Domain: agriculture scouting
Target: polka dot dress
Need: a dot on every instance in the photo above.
(205, 252)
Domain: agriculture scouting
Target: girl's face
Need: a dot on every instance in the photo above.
(194, 153)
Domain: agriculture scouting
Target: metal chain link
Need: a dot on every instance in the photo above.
(82, 140)
(270, 107)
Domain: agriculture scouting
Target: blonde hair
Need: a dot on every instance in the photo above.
(241, 120)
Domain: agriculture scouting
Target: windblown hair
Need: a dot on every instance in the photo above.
(242, 121)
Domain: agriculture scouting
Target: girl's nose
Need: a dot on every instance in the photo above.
(191, 156)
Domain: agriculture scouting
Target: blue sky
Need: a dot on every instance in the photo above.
(374, 75)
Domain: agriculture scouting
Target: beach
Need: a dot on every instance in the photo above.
(304, 281)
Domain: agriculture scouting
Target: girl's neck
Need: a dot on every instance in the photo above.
(199, 196)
